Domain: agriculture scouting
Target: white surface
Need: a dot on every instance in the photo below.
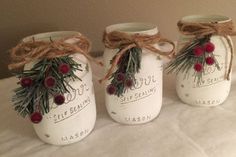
(141, 103)
(214, 88)
(179, 131)
(75, 119)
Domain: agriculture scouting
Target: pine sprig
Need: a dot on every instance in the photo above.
(124, 77)
(189, 59)
(35, 97)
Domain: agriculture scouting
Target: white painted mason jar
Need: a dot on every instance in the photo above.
(75, 119)
(142, 102)
(214, 87)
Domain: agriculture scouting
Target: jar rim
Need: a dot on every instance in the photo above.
(47, 35)
(133, 28)
(206, 19)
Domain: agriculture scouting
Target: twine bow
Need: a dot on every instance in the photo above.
(124, 42)
(26, 52)
(199, 30)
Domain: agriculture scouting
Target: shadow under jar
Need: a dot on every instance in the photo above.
(142, 102)
(75, 118)
(206, 78)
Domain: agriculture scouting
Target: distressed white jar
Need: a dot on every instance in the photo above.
(75, 119)
(141, 103)
(214, 87)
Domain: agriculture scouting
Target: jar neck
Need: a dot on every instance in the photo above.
(133, 28)
(201, 25)
(50, 36)
(204, 19)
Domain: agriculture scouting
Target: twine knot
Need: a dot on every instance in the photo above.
(26, 52)
(200, 30)
(124, 42)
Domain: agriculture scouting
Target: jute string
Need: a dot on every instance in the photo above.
(200, 30)
(26, 52)
(124, 42)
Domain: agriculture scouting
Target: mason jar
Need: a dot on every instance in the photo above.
(214, 87)
(75, 119)
(142, 102)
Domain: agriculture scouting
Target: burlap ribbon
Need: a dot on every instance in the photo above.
(124, 41)
(31, 50)
(200, 30)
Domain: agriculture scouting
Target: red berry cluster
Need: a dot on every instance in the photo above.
(205, 50)
(49, 82)
(120, 80)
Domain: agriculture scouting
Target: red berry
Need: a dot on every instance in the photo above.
(129, 83)
(111, 89)
(210, 61)
(64, 68)
(36, 117)
(198, 51)
(209, 47)
(198, 67)
(120, 77)
(26, 82)
(59, 99)
(49, 82)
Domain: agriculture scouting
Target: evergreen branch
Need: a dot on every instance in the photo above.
(186, 60)
(36, 96)
(128, 66)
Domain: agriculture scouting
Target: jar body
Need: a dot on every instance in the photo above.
(75, 119)
(142, 102)
(214, 87)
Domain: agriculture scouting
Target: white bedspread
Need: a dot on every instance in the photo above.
(179, 131)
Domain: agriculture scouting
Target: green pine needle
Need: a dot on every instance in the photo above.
(36, 97)
(185, 61)
(129, 65)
